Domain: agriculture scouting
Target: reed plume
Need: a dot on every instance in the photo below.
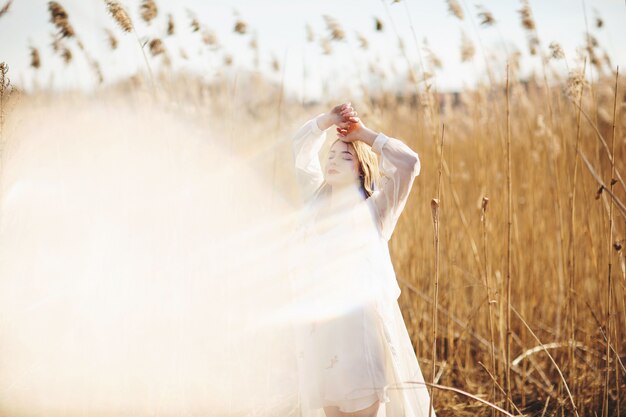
(590, 47)
(240, 27)
(5, 9)
(193, 21)
(363, 43)
(526, 15)
(528, 23)
(61, 49)
(599, 22)
(5, 83)
(148, 10)
(156, 47)
(170, 25)
(66, 53)
(60, 18)
(195, 25)
(485, 16)
(576, 83)
(4, 80)
(111, 39)
(378, 24)
(209, 37)
(455, 9)
(336, 32)
(556, 51)
(35, 60)
(275, 64)
(326, 48)
(467, 48)
(434, 60)
(120, 15)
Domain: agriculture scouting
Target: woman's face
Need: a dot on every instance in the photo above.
(342, 166)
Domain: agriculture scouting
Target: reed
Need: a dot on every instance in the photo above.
(5, 9)
(517, 300)
(509, 223)
(121, 16)
(35, 59)
(148, 11)
(609, 298)
(5, 84)
(490, 298)
(59, 17)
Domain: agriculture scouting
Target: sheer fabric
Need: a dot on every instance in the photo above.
(352, 345)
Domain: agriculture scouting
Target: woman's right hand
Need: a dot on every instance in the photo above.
(341, 116)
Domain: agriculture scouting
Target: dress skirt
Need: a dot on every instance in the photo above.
(344, 360)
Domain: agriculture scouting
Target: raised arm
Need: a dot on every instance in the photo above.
(398, 165)
(306, 145)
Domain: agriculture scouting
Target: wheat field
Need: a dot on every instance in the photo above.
(511, 250)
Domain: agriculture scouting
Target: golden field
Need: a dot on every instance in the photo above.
(511, 250)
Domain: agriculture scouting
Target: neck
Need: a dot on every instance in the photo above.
(345, 196)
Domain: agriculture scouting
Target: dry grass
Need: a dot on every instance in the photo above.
(524, 197)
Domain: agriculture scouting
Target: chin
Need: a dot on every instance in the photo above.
(329, 179)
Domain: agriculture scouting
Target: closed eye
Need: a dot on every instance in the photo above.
(347, 157)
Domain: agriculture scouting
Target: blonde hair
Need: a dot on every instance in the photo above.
(369, 173)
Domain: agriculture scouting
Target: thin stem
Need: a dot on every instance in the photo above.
(489, 306)
(572, 242)
(435, 209)
(508, 244)
(609, 253)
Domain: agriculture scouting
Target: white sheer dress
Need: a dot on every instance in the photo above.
(352, 345)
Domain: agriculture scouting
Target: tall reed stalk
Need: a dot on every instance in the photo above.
(434, 206)
(509, 211)
(490, 300)
(609, 298)
(572, 305)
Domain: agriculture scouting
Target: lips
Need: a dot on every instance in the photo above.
(332, 171)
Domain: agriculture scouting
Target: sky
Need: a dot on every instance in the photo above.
(280, 29)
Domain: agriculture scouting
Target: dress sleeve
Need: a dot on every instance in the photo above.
(306, 145)
(398, 165)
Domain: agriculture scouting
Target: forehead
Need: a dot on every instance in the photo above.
(341, 146)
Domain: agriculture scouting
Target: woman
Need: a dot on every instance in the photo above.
(353, 348)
